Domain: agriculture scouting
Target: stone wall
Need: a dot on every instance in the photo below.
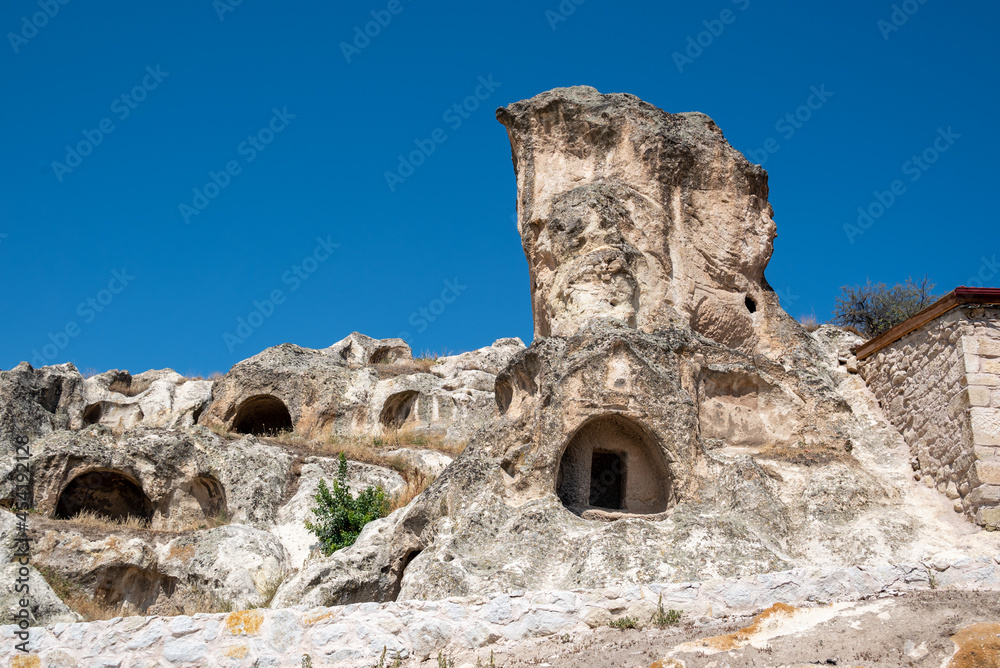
(940, 387)
(354, 635)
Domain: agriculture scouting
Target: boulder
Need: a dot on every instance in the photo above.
(45, 606)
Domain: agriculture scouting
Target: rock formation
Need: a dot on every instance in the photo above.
(669, 423)
(628, 212)
(359, 386)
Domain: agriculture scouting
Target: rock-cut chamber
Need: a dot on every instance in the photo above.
(612, 464)
(107, 493)
(262, 415)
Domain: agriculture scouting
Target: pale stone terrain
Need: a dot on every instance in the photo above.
(671, 432)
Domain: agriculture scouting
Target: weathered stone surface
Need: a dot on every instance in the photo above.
(652, 218)
(44, 606)
(169, 400)
(827, 492)
(37, 401)
(171, 478)
(511, 623)
(360, 387)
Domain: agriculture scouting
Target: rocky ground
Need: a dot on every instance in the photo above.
(929, 629)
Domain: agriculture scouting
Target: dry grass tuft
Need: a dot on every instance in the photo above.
(360, 451)
(809, 322)
(267, 593)
(130, 388)
(221, 430)
(92, 520)
(79, 601)
(424, 441)
(206, 601)
(89, 518)
(288, 437)
(220, 519)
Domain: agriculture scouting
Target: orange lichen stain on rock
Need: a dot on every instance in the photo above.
(309, 620)
(182, 552)
(667, 663)
(743, 636)
(236, 652)
(245, 621)
(26, 661)
(978, 646)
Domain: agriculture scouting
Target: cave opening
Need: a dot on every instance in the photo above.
(109, 494)
(262, 415)
(613, 464)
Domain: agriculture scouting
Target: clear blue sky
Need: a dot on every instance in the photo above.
(214, 82)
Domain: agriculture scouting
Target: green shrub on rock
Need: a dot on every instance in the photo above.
(340, 517)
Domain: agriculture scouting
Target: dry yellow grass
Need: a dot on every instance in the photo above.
(809, 322)
(414, 486)
(92, 520)
(436, 442)
(79, 601)
(89, 518)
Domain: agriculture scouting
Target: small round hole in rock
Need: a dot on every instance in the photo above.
(750, 304)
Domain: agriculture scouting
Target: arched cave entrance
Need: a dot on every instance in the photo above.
(209, 494)
(92, 414)
(397, 408)
(612, 464)
(107, 493)
(262, 415)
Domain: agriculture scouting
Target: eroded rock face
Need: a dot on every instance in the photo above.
(360, 387)
(629, 212)
(159, 398)
(40, 401)
(669, 422)
(182, 484)
(37, 401)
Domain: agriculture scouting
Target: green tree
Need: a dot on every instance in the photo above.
(339, 515)
(874, 308)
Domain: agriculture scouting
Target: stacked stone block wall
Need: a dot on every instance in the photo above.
(940, 387)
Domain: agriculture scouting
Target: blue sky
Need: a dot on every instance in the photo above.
(113, 260)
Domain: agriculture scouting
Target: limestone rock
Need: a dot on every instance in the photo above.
(37, 401)
(652, 218)
(360, 387)
(172, 479)
(669, 422)
(45, 608)
(233, 563)
(163, 398)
